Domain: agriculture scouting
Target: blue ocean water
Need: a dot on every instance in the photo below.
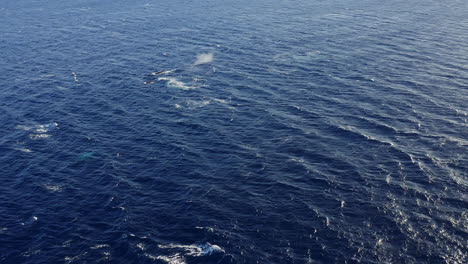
(233, 131)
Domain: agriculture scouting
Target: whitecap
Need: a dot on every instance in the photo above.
(209, 249)
(461, 112)
(38, 136)
(52, 188)
(75, 258)
(75, 78)
(100, 246)
(173, 82)
(172, 259)
(24, 150)
(141, 246)
(106, 256)
(162, 72)
(388, 178)
(196, 250)
(209, 229)
(38, 128)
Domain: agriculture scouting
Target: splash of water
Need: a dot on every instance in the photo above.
(204, 58)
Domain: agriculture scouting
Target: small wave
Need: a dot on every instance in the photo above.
(31, 252)
(357, 132)
(297, 160)
(278, 71)
(198, 104)
(460, 112)
(225, 103)
(86, 155)
(173, 82)
(220, 100)
(47, 75)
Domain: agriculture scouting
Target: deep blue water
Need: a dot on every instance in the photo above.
(306, 132)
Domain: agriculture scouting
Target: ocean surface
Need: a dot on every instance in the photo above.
(233, 131)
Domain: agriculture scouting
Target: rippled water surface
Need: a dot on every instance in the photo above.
(233, 131)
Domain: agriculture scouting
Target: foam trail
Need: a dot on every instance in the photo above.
(204, 58)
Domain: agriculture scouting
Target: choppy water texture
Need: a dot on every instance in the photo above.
(233, 131)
